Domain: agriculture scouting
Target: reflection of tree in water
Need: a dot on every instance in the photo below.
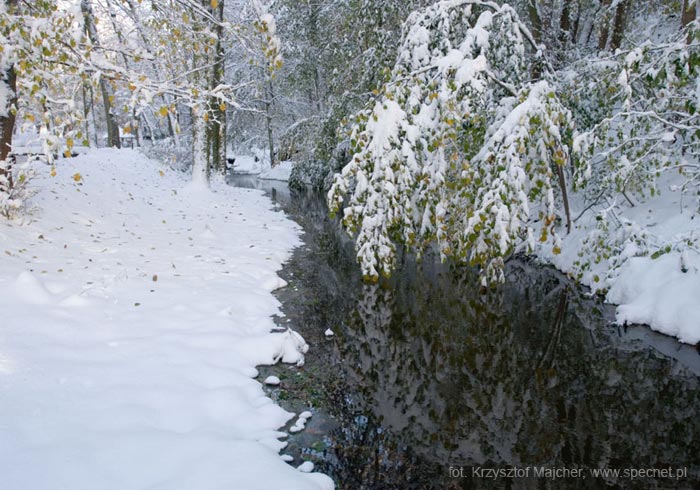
(509, 377)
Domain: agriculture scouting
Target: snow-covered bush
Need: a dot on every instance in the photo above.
(176, 154)
(460, 148)
(14, 189)
(309, 172)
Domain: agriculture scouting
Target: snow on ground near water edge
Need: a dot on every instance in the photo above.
(134, 311)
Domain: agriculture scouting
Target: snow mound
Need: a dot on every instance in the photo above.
(658, 293)
(281, 171)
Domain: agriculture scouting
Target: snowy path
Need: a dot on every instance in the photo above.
(133, 311)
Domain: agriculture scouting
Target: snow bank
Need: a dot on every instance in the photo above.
(260, 165)
(658, 293)
(134, 311)
(281, 171)
(658, 281)
(247, 164)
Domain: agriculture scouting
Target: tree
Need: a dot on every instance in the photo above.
(173, 51)
(106, 90)
(30, 67)
(460, 147)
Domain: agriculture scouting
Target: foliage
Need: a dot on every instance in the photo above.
(14, 188)
(640, 136)
(652, 125)
(36, 43)
(459, 148)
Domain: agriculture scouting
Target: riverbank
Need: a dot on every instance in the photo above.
(642, 257)
(135, 311)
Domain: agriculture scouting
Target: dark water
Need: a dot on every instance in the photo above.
(428, 379)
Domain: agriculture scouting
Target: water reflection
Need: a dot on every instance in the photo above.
(438, 374)
(527, 375)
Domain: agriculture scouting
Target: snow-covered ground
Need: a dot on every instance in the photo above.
(134, 311)
(654, 273)
(281, 171)
(250, 165)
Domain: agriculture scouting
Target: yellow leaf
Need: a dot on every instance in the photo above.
(556, 250)
(132, 87)
(127, 129)
(161, 173)
(69, 143)
(163, 111)
(67, 154)
(222, 107)
(77, 177)
(53, 171)
(206, 117)
(214, 3)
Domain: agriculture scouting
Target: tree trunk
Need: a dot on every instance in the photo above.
(575, 26)
(564, 196)
(200, 167)
(105, 88)
(689, 12)
(605, 26)
(7, 121)
(216, 132)
(565, 23)
(94, 116)
(173, 128)
(619, 22)
(86, 114)
(535, 20)
(268, 121)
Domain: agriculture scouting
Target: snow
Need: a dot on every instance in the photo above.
(329, 333)
(281, 171)
(648, 288)
(300, 424)
(272, 381)
(255, 165)
(248, 164)
(134, 313)
(658, 293)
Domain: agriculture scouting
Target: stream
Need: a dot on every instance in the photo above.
(428, 382)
